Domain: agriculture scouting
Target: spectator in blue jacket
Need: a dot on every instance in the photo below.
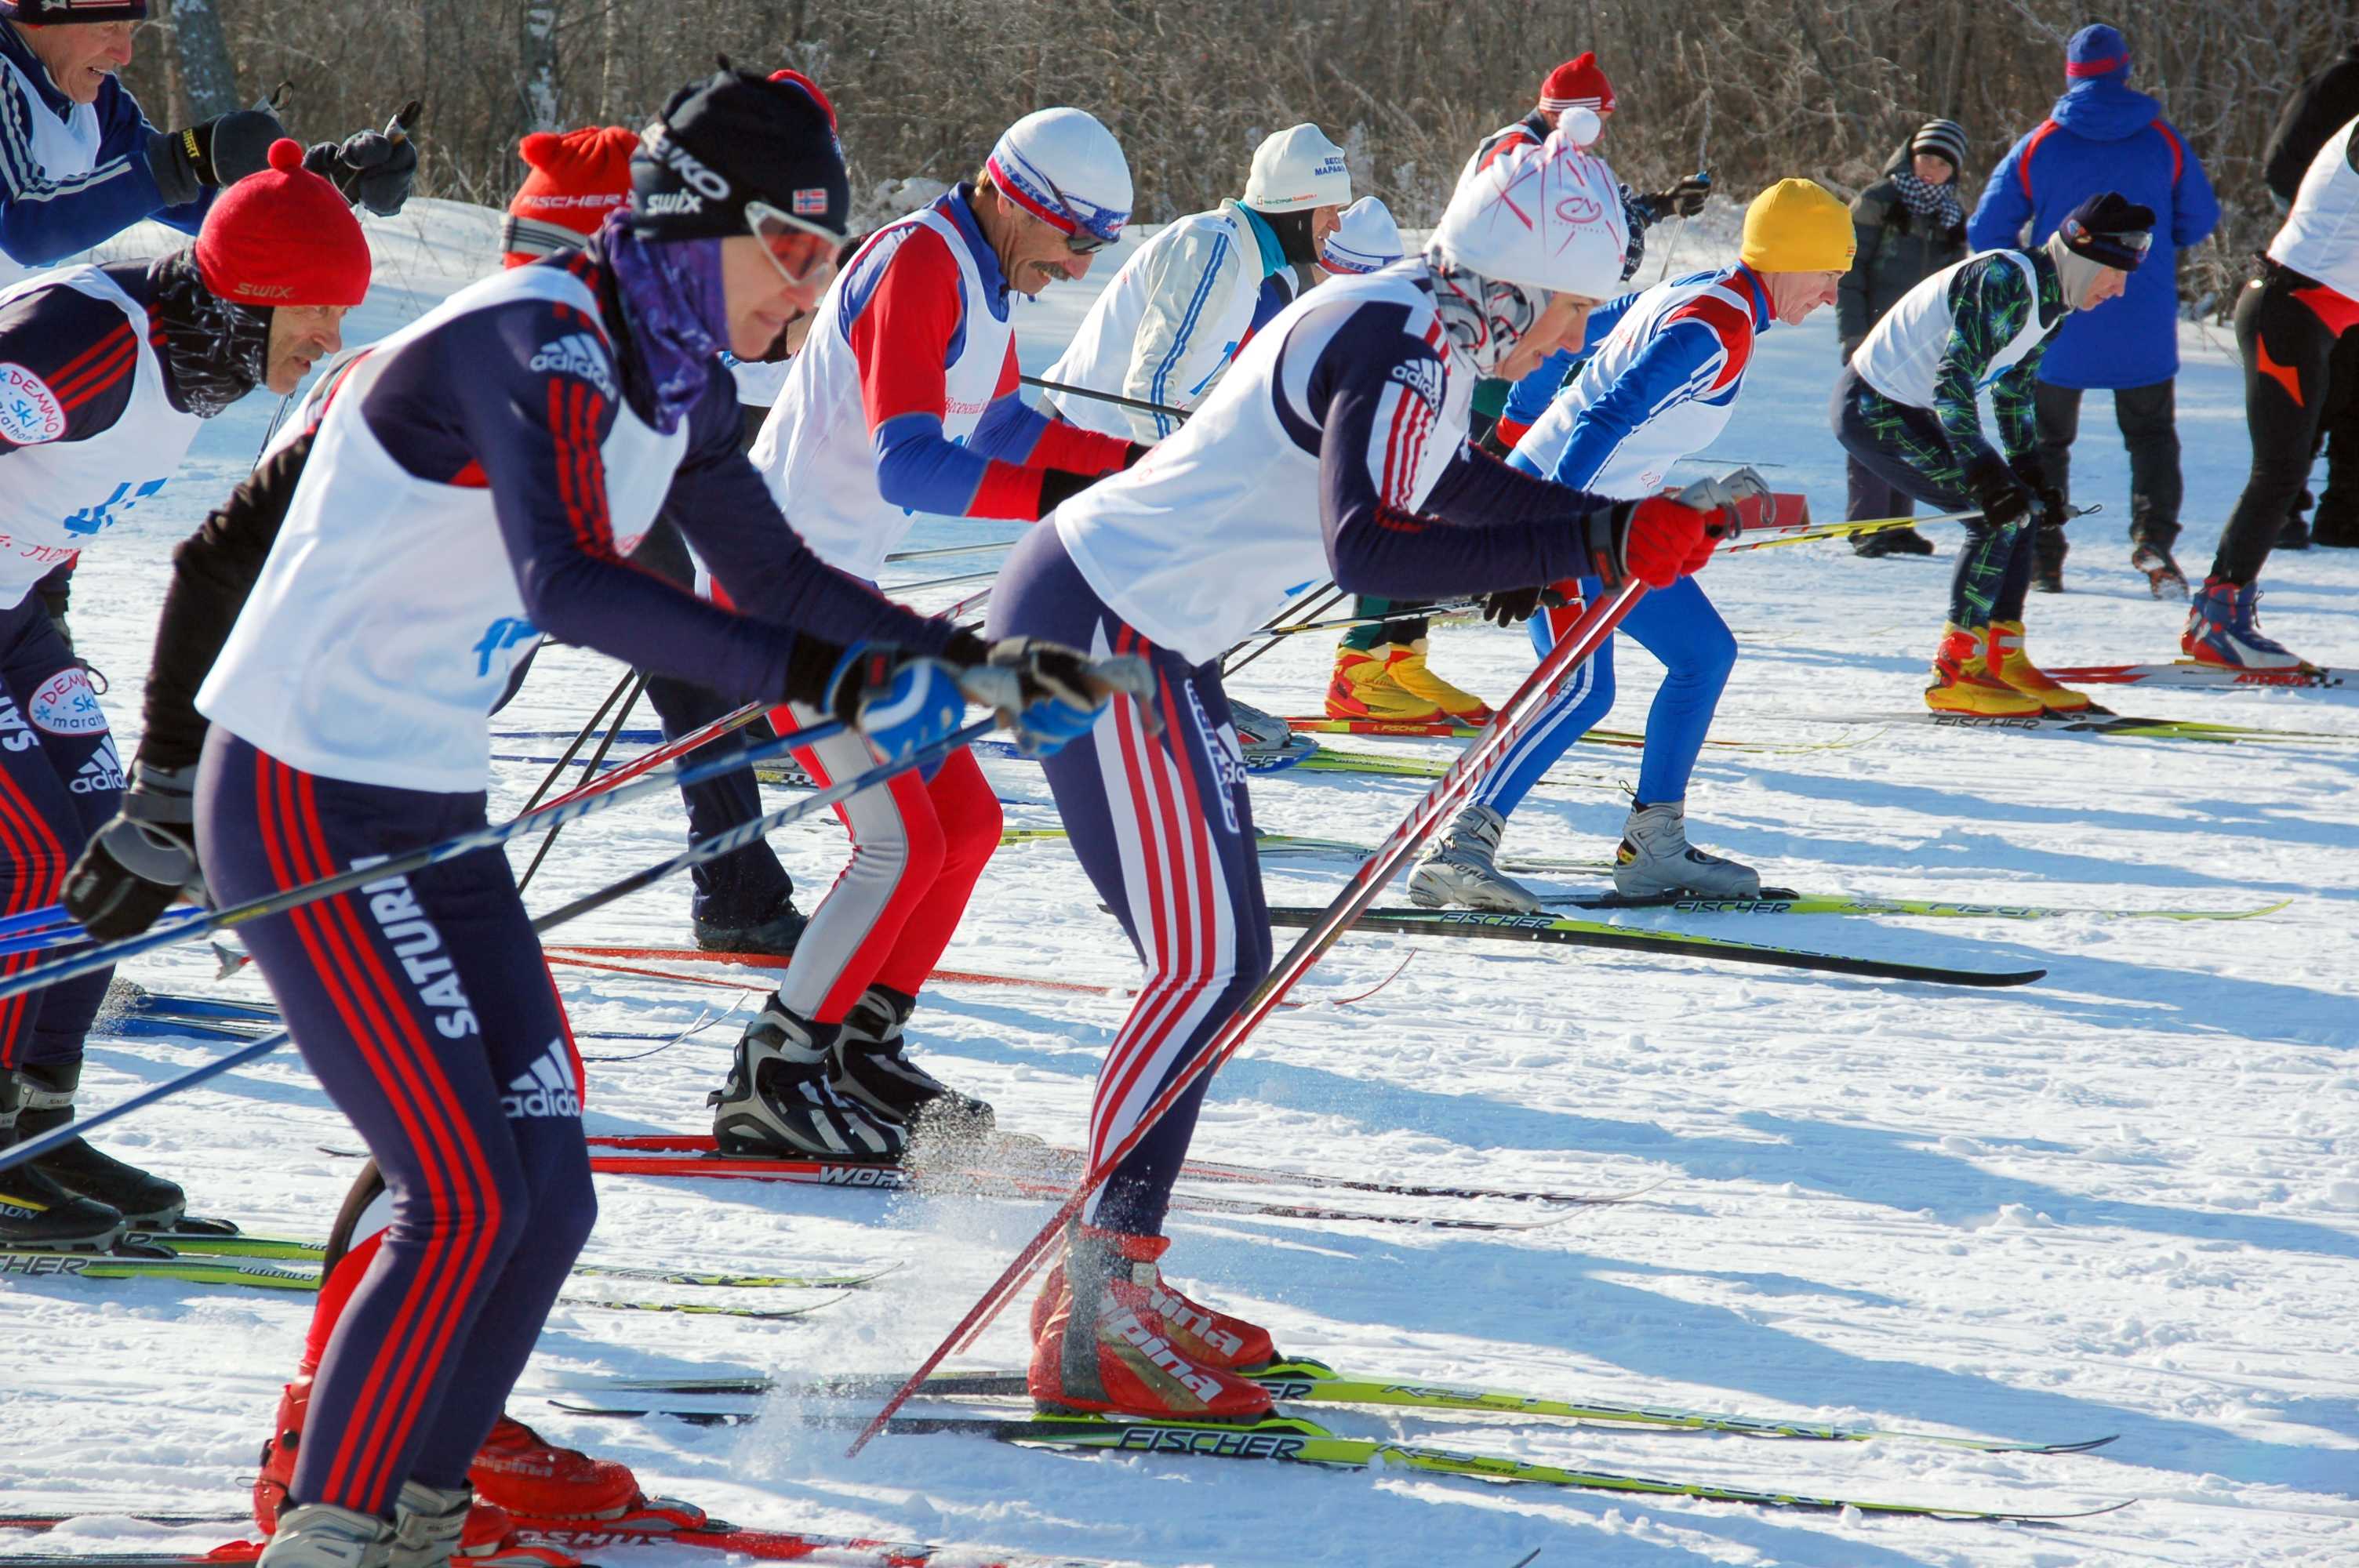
(2103, 137)
(79, 163)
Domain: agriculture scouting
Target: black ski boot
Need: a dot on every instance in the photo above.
(37, 1213)
(2048, 552)
(871, 1066)
(145, 1201)
(2162, 574)
(775, 935)
(777, 1101)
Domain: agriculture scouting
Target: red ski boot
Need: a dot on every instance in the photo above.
(524, 1473)
(1110, 1336)
(487, 1541)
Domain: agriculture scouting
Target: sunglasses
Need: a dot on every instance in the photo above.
(1079, 240)
(775, 229)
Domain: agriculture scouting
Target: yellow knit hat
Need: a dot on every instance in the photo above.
(1798, 226)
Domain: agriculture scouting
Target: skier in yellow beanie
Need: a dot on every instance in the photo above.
(1798, 225)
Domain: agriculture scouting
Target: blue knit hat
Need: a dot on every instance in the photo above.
(2095, 50)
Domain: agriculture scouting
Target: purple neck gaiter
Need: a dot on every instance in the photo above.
(678, 312)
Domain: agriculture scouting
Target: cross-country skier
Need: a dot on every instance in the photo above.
(905, 398)
(1336, 445)
(2289, 322)
(1167, 325)
(1365, 240)
(1904, 407)
(514, 443)
(105, 374)
(1381, 671)
(1660, 385)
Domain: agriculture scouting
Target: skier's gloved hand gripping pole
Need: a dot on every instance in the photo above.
(1047, 695)
(1640, 538)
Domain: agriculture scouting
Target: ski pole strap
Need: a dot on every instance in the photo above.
(696, 854)
(490, 838)
(1066, 389)
(1447, 795)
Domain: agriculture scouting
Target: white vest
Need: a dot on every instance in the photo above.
(58, 497)
(1680, 419)
(65, 148)
(1901, 357)
(386, 620)
(1203, 276)
(815, 450)
(2319, 238)
(1217, 528)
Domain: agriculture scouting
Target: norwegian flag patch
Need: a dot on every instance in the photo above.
(810, 200)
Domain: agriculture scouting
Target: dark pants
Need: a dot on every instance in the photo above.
(422, 1005)
(1872, 495)
(747, 886)
(2286, 317)
(2149, 416)
(60, 781)
(1906, 448)
(1163, 825)
(2338, 506)
(1405, 622)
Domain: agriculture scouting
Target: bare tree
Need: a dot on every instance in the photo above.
(204, 82)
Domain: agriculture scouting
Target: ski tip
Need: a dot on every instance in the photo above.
(2082, 1447)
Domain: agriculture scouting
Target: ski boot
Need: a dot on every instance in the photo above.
(870, 1067)
(1461, 868)
(1110, 1336)
(774, 934)
(1891, 541)
(428, 1524)
(2163, 577)
(2005, 658)
(1412, 675)
(37, 1213)
(2223, 629)
(568, 1484)
(1963, 681)
(518, 1470)
(777, 1101)
(322, 1535)
(2293, 534)
(1265, 737)
(2048, 551)
(45, 1092)
(1655, 861)
(1364, 688)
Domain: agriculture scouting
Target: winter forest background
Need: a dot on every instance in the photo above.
(1755, 89)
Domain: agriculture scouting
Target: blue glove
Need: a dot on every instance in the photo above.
(900, 702)
(1051, 695)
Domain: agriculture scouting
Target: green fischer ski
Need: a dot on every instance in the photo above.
(1315, 1383)
(1775, 903)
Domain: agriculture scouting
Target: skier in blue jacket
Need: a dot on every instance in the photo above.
(2103, 137)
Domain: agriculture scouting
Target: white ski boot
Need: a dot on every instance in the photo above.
(1461, 868)
(322, 1535)
(1655, 861)
(427, 1522)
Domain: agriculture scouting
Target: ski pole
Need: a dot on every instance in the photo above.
(949, 550)
(1141, 404)
(696, 854)
(638, 684)
(1806, 534)
(1447, 795)
(942, 581)
(565, 758)
(1315, 603)
(490, 838)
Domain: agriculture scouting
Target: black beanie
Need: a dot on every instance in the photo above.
(63, 13)
(2110, 230)
(736, 138)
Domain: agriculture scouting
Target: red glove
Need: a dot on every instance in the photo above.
(1664, 540)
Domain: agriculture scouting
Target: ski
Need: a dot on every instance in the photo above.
(2128, 726)
(1597, 933)
(1778, 901)
(1268, 846)
(255, 1274)
(1293, 1440)
(1315, 1383)
(1065, 1164)
(1314, 724)
(2201, 677)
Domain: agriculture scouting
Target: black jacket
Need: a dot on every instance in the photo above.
(2319, 108)
(1896, 252)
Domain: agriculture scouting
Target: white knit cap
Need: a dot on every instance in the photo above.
(1298, 169)
(1367, 239)
(1547, 218)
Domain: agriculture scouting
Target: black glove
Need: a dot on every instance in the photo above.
(140, 864)
(2052, 512)
(1512, 605)
(1059, 486)
(1135, 454)
(1684, 199)
(222, 151)
(54, 600)
(1999, 494)
(371, 168)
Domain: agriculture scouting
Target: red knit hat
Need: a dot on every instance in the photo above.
(577, 179)
(1577, 84)
(283, 236)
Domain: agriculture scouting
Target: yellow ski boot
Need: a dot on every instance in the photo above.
(1963, 682)
(1412, 675)
(1364, 688)
(2005, 658)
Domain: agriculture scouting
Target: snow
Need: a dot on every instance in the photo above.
(2124, 1200)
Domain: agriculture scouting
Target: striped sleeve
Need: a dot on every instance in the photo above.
(45, 216)
(68, 364)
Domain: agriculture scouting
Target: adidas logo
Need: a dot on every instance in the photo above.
(579, 355)
(100, 774)
(548, 1090)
